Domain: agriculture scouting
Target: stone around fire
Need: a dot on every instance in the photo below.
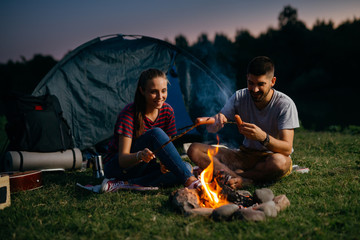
(263, 195)
(268, 208)
(224, 212)
(249, 214)
(205, 212)
(281, 202)
(185, 199)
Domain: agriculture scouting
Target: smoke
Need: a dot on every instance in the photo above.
(205, 92)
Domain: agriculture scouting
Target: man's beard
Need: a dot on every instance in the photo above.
(259, 96)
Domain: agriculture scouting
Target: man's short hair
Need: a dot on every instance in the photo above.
(260, 66)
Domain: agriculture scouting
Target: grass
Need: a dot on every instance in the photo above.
(324, 204)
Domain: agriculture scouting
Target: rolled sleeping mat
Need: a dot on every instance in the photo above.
(23, 161)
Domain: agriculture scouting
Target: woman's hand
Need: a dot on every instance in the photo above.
(145, 155)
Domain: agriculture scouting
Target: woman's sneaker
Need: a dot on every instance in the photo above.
(112, 185)
(195, 184)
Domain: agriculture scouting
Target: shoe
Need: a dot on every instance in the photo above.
(195, 184)
(299, 169)
(112, 185)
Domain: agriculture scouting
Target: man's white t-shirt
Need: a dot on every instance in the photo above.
(279, 114)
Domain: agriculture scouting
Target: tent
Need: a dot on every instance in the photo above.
(97, 79)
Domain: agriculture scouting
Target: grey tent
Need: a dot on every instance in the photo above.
(97, 79)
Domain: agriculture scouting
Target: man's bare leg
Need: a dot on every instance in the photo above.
(197, 152)
(274, 167)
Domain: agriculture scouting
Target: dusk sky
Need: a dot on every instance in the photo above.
(55, 27)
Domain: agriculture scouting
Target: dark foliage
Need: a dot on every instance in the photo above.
(316, 67)
(23, 76)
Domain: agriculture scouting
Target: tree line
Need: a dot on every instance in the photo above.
(316, 67)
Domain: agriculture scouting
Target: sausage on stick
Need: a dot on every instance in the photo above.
(238, 120)
(204, 120)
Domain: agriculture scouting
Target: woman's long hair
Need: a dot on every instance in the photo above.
(139, 100)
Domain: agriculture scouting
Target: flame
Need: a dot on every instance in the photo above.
(211, 191)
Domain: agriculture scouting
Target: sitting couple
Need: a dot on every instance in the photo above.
(143, 126)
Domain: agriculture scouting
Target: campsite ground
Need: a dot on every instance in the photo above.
(324, 204)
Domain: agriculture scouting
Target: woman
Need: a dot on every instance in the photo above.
(141, 128)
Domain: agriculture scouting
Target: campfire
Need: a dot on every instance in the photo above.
(211, 195)
(217, 200)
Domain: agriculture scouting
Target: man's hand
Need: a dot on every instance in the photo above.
(283, 144)
(251, 131)
(220, 120)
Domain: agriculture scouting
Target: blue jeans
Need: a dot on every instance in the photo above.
(149, 174)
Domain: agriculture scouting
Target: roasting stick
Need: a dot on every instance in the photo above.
(231, 122)
(199, 121)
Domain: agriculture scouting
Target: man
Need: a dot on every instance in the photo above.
(269, 118)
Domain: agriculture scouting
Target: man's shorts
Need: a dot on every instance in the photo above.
(245, 158)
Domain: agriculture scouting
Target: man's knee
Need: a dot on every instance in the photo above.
(197, 154)
(279, 164)
(193, 150)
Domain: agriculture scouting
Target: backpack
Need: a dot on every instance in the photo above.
(36, 124)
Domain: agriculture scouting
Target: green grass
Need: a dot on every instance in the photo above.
(324, 204)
